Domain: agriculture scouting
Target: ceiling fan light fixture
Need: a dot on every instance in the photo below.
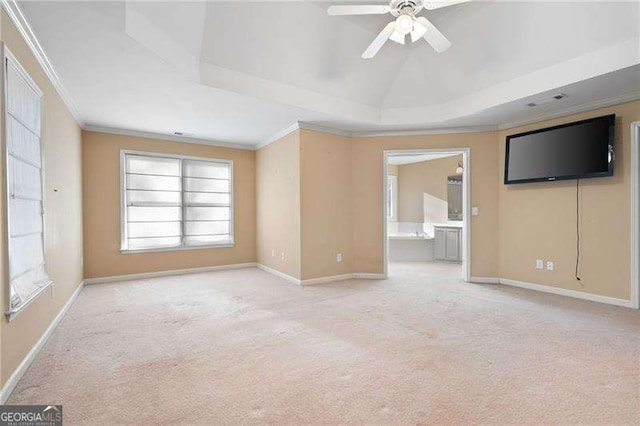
(404, 24)
(397, 37)
(418, 31)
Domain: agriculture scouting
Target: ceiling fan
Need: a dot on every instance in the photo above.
(406, 22)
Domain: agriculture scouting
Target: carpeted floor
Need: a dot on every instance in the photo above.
(421, 347)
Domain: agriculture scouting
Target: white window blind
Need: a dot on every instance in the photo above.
(176, 202)
(25, 209)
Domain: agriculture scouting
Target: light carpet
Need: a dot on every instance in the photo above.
(243, 346)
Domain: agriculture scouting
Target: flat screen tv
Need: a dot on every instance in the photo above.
(578, 150)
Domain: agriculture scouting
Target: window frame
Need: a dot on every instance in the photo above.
(123, 202)
(7, 56)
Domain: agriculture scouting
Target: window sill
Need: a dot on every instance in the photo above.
(161, 249)
(12, 313)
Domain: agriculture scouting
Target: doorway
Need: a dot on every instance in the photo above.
(426, 210)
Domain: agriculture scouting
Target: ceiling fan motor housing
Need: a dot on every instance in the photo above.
(405, 7)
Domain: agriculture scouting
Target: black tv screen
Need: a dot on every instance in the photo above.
(583, 149)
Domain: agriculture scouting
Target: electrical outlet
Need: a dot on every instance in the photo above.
(282, 256)
(339, 257)
(549, 266)
(539, 264)
(474, 211)
(273, 253)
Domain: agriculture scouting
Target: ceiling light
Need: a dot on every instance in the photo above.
(404, 24)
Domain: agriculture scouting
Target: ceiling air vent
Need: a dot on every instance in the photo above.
(547, 100)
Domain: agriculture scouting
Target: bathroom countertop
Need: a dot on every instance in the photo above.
(447, 225)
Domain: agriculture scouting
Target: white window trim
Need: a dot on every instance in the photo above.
(7, 55)
(123, 203)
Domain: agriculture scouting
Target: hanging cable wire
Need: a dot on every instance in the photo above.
(578, 229)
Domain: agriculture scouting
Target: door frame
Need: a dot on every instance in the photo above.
(466, 203)
(635, 215)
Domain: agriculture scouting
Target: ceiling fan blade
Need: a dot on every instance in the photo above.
(377, 9)
(397, 37)
(379, 41)
(437, 4)
(433, 36)
(418, 31)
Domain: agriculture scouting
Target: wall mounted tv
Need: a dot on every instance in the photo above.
(582, 149)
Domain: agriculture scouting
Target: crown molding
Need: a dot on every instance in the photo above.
(419, 132)
(162, 136)
(300, 125)
(361, 134)
(324, 129)
(616, 100)
(17, 17)
(280, 134)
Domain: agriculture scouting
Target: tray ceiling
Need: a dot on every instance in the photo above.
(241, 71)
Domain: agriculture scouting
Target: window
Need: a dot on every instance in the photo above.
(23, 176)
(392, 197)
(175, 202)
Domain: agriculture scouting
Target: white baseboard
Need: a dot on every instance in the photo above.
(343, 277)
(37, 347)
(485, 280)
(278, 273)
(569, 293)
(367, 276)
(144, 275)
(329, 279)
(320, 280)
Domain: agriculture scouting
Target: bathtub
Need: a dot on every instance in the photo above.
(410, 247)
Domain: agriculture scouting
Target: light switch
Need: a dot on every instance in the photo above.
(474, 211)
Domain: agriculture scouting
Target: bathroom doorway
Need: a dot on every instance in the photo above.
(426, 209)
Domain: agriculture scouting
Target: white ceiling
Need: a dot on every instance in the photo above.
(240, 72)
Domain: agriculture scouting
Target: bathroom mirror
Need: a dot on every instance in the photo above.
(454, 197)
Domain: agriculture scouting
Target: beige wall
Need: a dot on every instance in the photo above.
(425, 177)
(366, 166)
(63, 214)
(538, 220)
(325, 204)
(101, 198)
(278, 205)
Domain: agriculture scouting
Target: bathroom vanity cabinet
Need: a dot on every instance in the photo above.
(448, 243)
